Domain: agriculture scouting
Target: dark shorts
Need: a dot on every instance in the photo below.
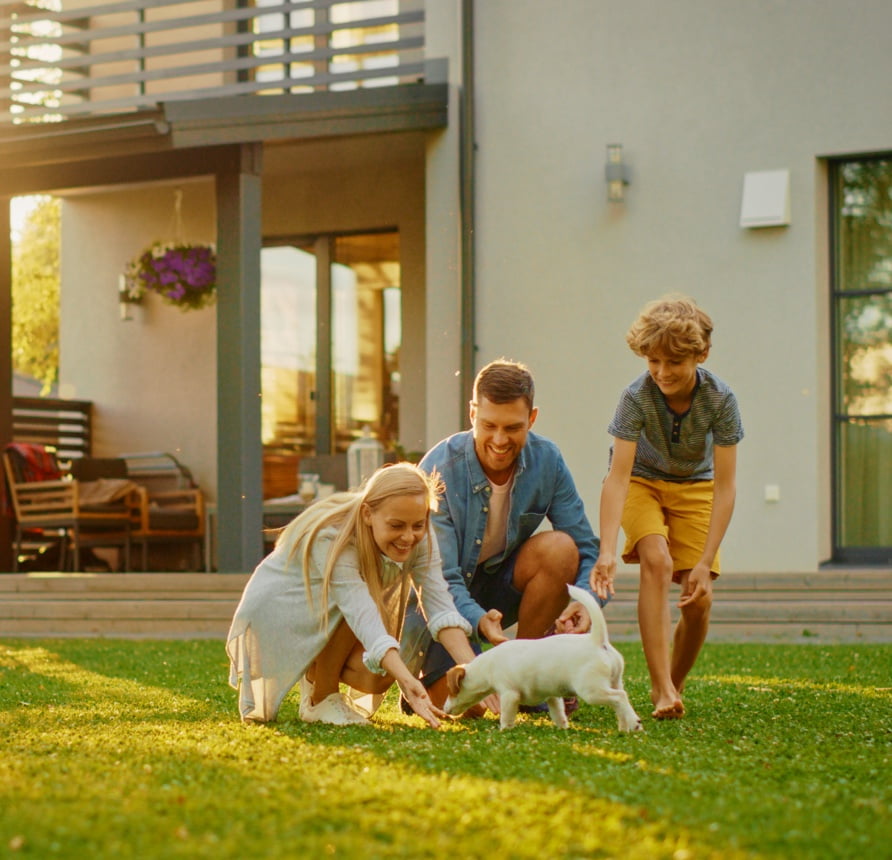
(493, 588)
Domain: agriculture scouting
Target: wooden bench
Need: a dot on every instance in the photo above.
(158, 470)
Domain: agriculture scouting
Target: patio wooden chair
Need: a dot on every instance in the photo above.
(158, 516)
(48, 508)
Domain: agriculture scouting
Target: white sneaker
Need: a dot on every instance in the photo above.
(366, 703)
(334, 710)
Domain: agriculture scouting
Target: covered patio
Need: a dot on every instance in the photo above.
(163, 128)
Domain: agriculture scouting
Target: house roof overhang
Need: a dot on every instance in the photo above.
(201, 137)
(237, 119)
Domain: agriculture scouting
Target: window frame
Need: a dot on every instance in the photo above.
(843, 554)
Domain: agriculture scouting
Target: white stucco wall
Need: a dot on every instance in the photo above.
(698, 93)
(152, 380)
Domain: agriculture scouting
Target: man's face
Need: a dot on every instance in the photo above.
(500, 432)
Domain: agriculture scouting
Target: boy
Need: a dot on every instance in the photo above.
(671, 485)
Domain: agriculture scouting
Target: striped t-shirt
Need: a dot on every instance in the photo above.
(675, 447)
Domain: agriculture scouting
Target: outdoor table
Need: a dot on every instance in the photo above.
(276, 514)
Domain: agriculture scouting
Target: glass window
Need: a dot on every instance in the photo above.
(367, 335)
(862, 319)
(288, 347)
(324, 383)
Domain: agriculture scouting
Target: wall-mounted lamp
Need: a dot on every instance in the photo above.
(616, 173)
(127, 299)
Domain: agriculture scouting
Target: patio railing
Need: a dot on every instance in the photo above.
(75, 58)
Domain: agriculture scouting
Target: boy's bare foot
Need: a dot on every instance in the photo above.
(667, 705)
(673, 711)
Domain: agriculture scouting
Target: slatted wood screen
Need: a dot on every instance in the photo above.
(61, 60)
(66, 425)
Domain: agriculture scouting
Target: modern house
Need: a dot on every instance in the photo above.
(399, 191)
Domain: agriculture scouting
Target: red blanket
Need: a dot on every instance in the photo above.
(29, 462)
(33, 462)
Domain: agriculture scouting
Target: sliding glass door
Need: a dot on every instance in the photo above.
(330, 344)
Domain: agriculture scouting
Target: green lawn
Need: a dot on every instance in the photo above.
(120, 749)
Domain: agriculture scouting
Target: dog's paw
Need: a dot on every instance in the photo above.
(630, 723)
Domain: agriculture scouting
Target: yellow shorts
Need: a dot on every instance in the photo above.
(677, 510)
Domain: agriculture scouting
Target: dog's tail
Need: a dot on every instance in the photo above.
(599, 626)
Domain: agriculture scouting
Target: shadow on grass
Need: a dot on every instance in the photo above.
(21, 686)
(91, 682)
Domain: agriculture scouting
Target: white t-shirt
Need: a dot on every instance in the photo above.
(495, 535)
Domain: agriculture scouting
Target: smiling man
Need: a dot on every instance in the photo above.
(502, 481)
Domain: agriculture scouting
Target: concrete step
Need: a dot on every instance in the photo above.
(129, 605)
(77, 585)
(846, 606)
(825, 606)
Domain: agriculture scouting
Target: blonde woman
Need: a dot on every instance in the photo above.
(326, 606)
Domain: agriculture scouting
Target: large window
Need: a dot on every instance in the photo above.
(330, 342)
(862, 356)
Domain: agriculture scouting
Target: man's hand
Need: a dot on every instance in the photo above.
(490, 627)
(492, 703)
(574, 619)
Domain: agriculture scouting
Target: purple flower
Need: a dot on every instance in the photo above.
(183, 275)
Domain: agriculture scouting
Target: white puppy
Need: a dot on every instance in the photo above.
(526, 671)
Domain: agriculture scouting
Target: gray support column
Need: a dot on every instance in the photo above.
(239, 519)
(324, 347)
(5, 365)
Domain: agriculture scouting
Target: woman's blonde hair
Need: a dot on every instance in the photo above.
(343, 511)
(673, 326)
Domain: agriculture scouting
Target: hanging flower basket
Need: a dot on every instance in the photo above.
(183, 275)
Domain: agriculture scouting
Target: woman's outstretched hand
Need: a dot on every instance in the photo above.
(417, 696)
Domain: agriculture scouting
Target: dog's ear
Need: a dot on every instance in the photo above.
(454, 678)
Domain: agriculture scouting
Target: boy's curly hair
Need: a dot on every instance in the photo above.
(673, 326)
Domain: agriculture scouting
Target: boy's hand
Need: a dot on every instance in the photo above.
(698, 586)
(602, 575)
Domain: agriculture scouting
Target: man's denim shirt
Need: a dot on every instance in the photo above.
(543, 488)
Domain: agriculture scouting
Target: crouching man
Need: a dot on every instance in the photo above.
(502, 480)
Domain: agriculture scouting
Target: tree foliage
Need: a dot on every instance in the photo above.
(35, 294)
(864, 317)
